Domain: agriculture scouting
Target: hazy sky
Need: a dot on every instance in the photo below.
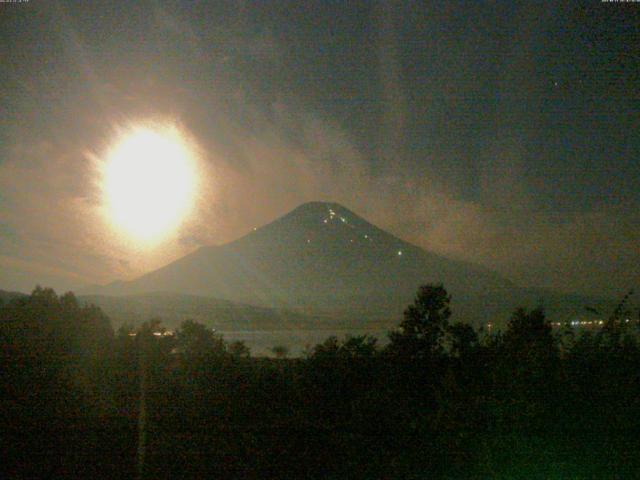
(503, 133)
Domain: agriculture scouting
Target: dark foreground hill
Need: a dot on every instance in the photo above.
(81, 402)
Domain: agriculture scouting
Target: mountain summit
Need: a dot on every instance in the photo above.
(320, 256)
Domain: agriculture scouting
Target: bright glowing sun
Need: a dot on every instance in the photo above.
(149, 182)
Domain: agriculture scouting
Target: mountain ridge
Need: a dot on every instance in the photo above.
(323, 260)
(320, 255)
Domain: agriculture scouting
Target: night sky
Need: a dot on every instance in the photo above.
(503, 133)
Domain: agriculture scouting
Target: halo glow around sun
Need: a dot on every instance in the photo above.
(149, 182)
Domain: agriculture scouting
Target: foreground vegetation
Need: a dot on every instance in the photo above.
(441, 400)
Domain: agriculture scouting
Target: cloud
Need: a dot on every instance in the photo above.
(264, 152)
(590, 251)
(284, 155)
(49, 209)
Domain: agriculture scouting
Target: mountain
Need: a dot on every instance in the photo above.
(323, 259)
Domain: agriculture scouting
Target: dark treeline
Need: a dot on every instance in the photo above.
(441, 400)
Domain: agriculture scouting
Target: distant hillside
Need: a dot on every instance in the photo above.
(223, 315)
(6, 296)
(323, 260)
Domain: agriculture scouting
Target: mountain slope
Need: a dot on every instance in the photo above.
(318, 257)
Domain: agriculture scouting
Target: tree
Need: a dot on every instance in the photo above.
(526, 370)
(615, 327)
(421, 332)
(462, 339)
(352, 347)
(195, 341)
(280, 351)
(239, 349)
(329, 348)
(52, 363)
(359, 346)
(529, 335)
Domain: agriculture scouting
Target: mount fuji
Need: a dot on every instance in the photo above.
(323, 259)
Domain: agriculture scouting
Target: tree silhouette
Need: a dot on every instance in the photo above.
(352, 347)
(478, 408)
(195, 341)
(239, 349)
(329, 348)
(280, 351)
(529, 335)
(421, 332)
(462, 339)
(54, 367)
(359, 346)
